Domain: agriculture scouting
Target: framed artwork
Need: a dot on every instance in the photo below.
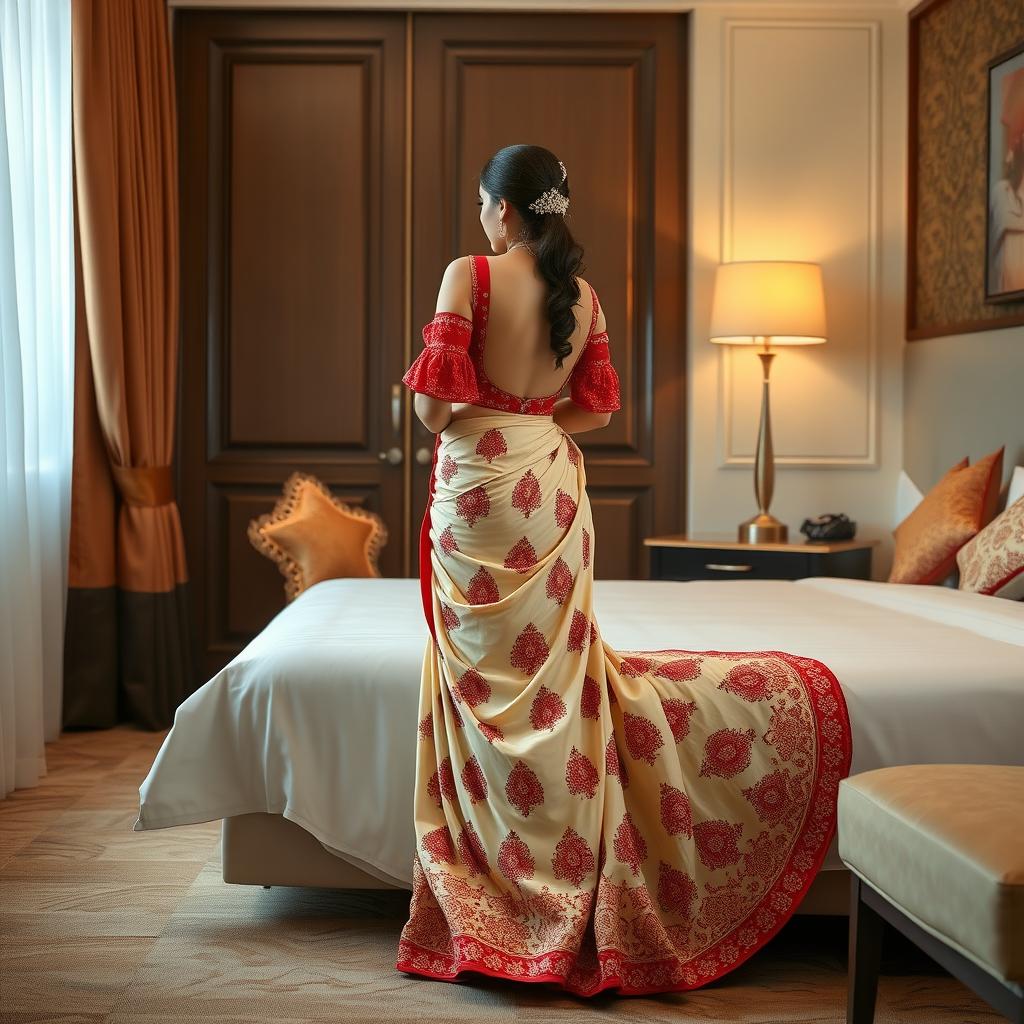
(965, 118)
(1004, 243)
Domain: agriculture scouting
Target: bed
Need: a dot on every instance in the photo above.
(304, 744)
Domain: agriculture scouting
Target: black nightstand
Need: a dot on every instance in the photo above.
(678, 557)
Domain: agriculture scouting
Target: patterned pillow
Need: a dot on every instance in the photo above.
(314, 536)
(950, 514)
(993, 562)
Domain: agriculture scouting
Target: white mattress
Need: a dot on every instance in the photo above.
(316, 718)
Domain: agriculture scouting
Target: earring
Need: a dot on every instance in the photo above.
(501, 228)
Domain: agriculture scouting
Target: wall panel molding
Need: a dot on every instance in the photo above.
(839, 425)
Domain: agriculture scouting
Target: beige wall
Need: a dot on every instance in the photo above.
(963, 395)
(798, 151)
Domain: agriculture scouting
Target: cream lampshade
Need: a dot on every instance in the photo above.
(767, 303)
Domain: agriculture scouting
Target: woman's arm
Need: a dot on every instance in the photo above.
(434, 414)
(594, 385)
(453, 297)
(574, 420)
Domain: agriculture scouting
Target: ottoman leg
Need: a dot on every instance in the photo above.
(864, 957)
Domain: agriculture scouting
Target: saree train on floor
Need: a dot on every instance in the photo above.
(598, 818)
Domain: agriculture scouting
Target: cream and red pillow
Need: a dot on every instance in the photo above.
(949, 515)
(314, 536)
(993, 561)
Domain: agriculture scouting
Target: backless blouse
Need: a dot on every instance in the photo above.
(450, 367)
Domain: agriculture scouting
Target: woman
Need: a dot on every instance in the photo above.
(636, 820)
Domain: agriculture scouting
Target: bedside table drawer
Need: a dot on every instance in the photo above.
(728, 564)
(679, 557)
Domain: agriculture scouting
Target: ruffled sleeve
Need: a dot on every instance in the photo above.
(594, 383)
(444, 369)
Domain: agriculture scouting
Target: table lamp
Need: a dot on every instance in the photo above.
(767, 303)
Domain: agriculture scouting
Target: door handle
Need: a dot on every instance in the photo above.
(424, 456)
(396, 408)
(723, 567)
(393, 456)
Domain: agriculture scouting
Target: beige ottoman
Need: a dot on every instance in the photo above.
(937, 851)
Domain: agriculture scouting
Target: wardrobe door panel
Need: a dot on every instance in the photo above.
(292, 157)
(296, 237)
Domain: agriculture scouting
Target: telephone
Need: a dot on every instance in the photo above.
(830, 526)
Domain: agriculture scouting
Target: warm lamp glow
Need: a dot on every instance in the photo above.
(777, 303)
(767, 303)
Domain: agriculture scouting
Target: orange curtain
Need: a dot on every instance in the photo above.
(132, 604)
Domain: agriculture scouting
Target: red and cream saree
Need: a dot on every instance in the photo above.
(598, 818)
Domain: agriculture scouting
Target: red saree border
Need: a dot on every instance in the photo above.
(790, 886)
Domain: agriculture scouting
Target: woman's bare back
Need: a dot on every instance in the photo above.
(517, 355)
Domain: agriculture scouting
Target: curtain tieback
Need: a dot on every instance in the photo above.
(144, 485)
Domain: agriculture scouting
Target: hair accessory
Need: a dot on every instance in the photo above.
(552, 201)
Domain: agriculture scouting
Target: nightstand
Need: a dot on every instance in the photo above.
(714, 557)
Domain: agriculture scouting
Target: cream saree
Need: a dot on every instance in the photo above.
(597, 818)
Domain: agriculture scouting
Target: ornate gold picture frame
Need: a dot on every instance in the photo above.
(1004, 243)
(954, 45)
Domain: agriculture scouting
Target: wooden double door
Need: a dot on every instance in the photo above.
(329, 166)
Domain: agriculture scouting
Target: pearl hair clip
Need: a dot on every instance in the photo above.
(552, 201)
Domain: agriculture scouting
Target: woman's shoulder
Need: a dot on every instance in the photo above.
(590, 304)
(460, 266)
(456, 291)
(588, 293)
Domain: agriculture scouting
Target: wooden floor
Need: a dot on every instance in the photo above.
(100, 923)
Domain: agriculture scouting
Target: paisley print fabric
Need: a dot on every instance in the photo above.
(598, 818)
(993, 561)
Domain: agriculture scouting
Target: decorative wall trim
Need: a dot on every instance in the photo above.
(868, 455)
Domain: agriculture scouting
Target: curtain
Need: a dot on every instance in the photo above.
(36, 368)
(130, 640)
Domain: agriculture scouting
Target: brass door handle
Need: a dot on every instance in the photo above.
(722, 567)
(396, 408)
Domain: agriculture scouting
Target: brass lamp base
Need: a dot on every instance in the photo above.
(763, 529)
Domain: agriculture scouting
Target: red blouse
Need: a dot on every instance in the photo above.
(450, 367)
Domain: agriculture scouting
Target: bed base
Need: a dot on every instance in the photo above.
(269, 849)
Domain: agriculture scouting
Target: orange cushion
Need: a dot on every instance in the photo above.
(993, 561)
(949, 515)
(314, 536)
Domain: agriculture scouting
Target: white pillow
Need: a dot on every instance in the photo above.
(908, 497)
(1016, 491)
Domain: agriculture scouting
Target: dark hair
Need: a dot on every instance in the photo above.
(520, 174)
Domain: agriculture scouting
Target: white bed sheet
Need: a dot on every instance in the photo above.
(316, 718)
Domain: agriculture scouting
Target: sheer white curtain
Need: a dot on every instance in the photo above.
(36, 377)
